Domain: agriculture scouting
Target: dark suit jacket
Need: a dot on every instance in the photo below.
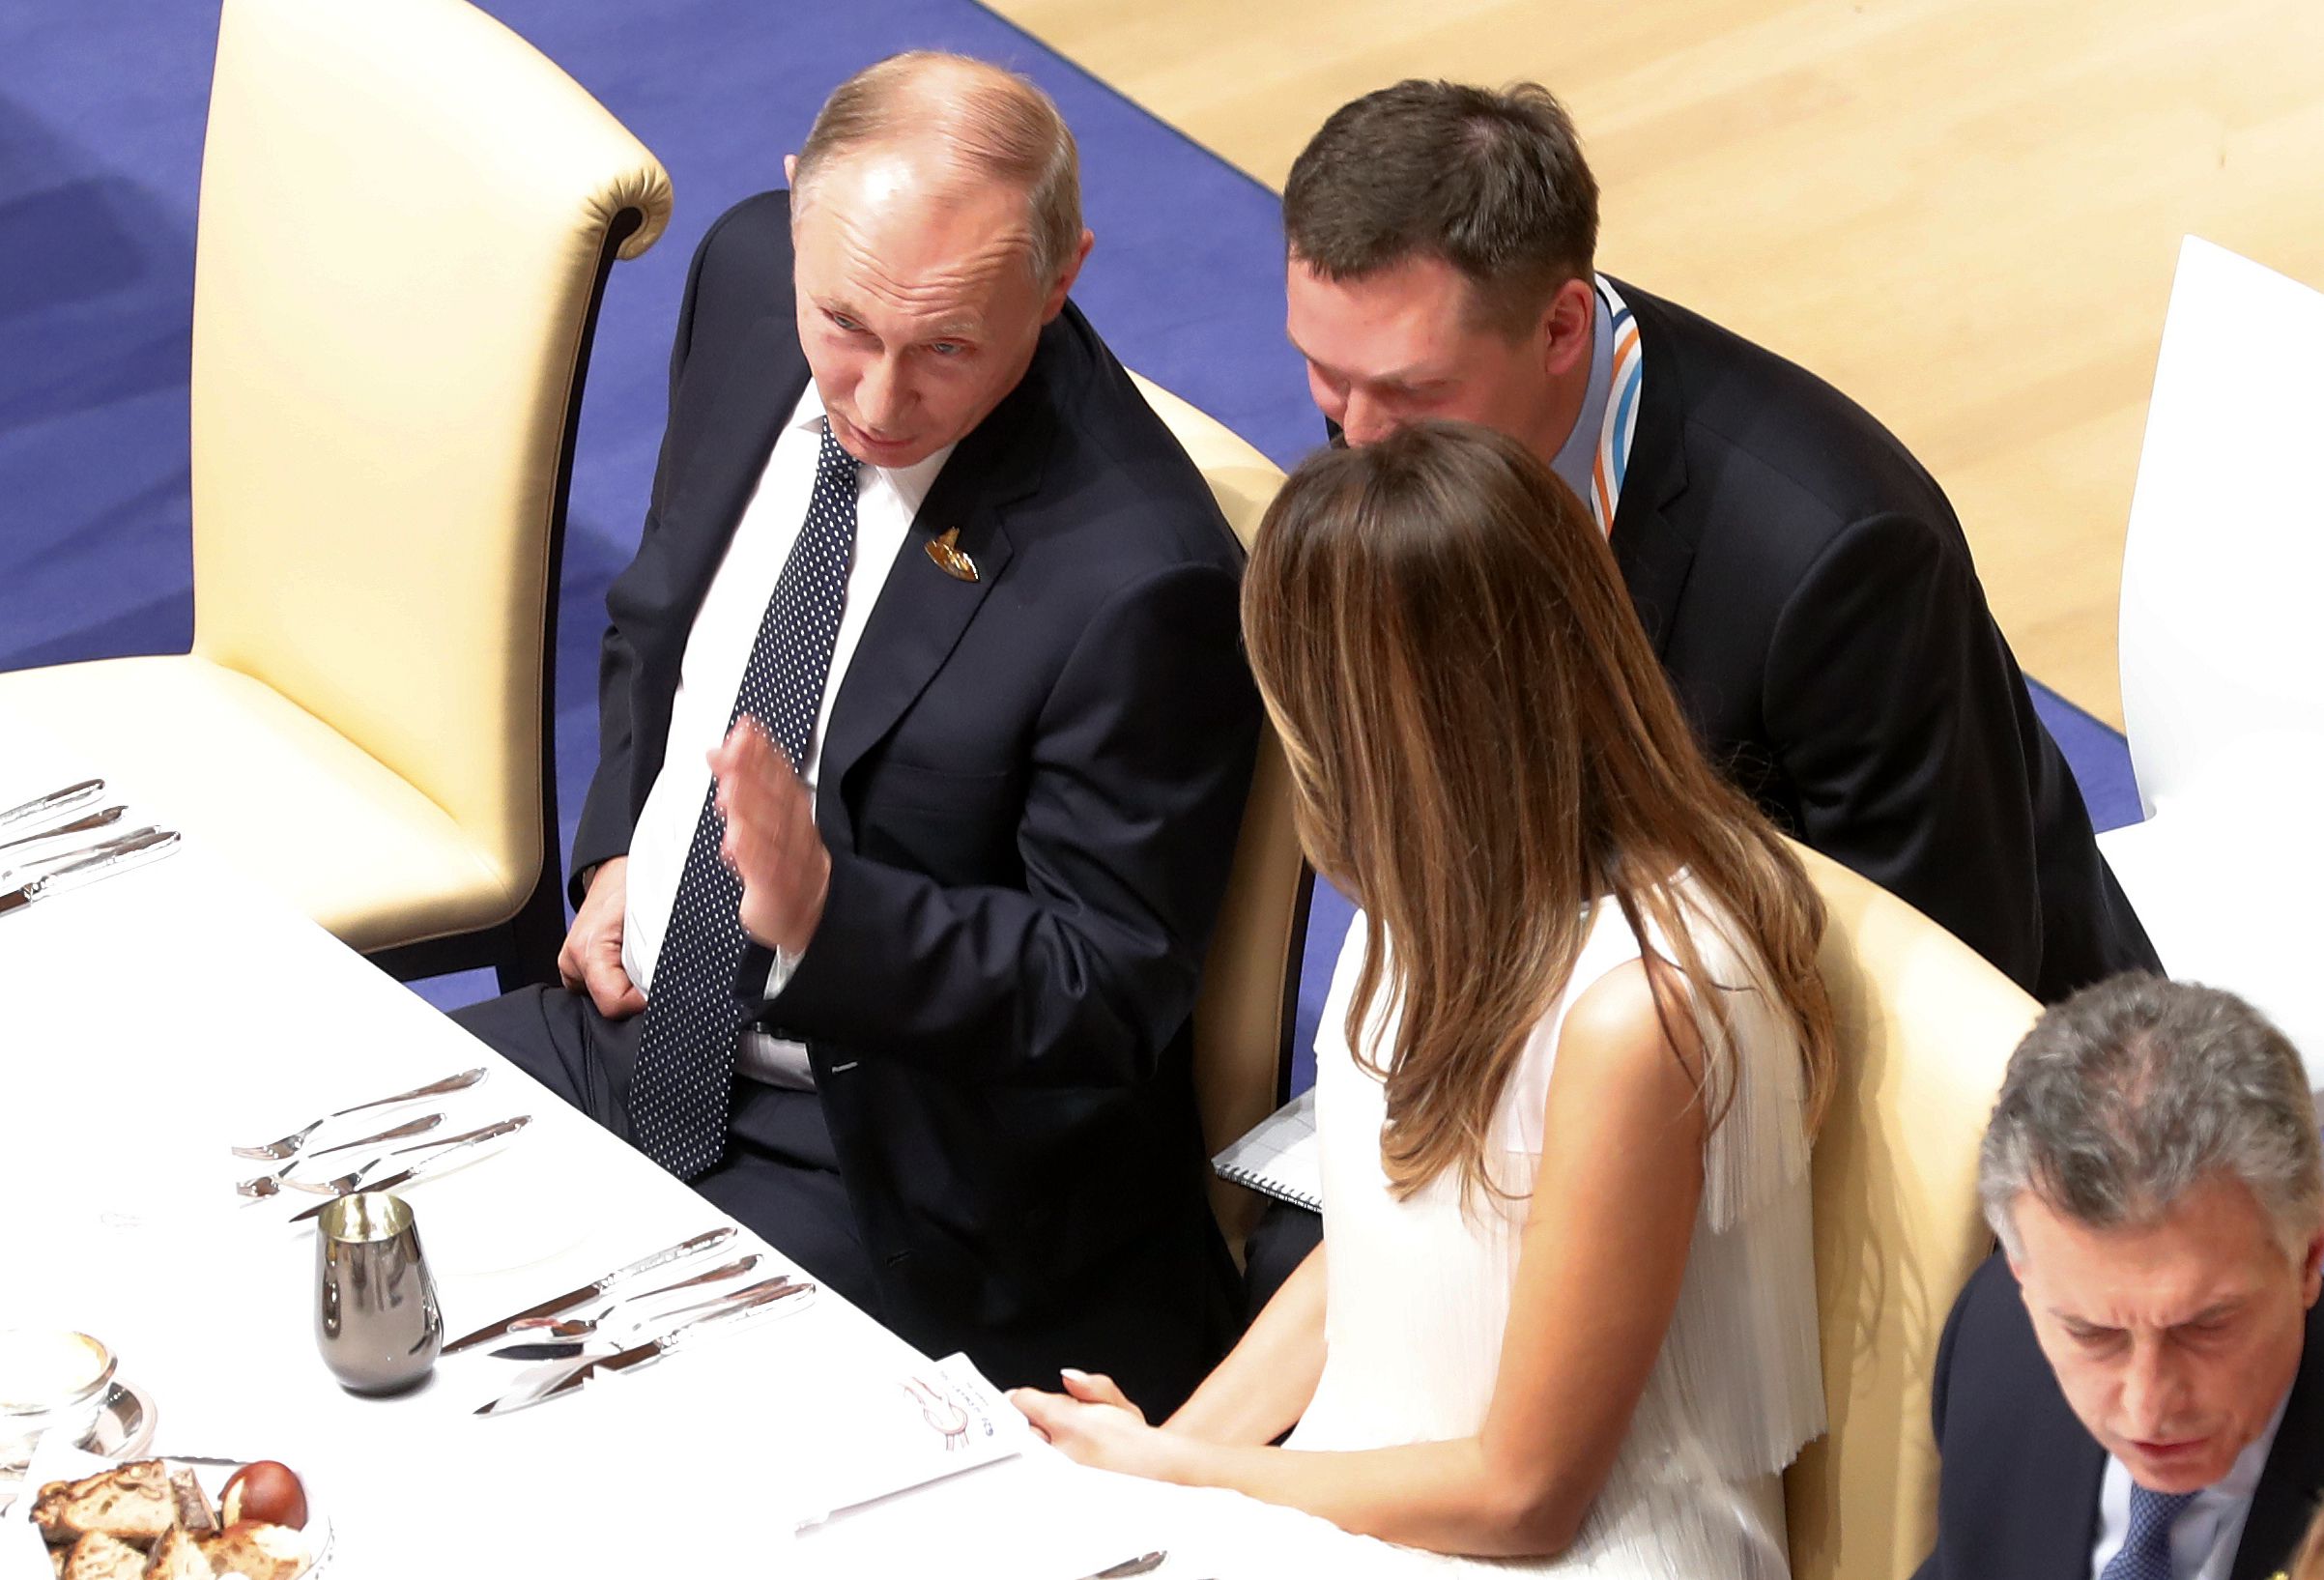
(1812, 600)
(1030, 786)
(2019, 1494)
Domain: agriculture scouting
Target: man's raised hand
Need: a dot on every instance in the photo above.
(771, 842)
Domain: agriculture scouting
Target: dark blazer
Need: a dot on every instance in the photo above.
(1030, 786)
(2018, 1498)
(1812, 600)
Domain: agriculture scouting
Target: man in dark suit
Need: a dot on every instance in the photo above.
(1804, 579)
(2134, 1389)
(918, 1012)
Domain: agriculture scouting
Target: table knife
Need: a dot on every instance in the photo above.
(53, 803)
(123, 853)
(104, 818)
(591, 1290)
(654, 1349)
(444, 1149)
(546, 1346)
(106, 845)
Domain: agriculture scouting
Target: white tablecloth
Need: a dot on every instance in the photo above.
(152, 1020)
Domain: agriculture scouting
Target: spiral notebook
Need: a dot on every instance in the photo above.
(1280, 1157)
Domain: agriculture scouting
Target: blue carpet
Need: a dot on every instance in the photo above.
(102, 110)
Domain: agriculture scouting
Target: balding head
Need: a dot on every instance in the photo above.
(927, 186)
(961, 124)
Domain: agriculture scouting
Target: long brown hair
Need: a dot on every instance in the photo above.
(1483, 745)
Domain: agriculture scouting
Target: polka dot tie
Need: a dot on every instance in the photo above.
(684, 1080)
(2146, 1553)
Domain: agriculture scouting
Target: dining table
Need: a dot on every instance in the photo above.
(153, 1020)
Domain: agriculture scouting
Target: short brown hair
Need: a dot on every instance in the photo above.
(1482, 746)
(1492, 183)
(998, 126)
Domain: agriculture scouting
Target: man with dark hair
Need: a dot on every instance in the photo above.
(1804, 581)
(2131, 1389)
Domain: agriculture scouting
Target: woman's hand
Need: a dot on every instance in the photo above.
(1096, 1425)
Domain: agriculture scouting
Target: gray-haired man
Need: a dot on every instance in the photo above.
(2125, 1392)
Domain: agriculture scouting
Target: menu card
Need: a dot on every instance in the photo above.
(869, 1436)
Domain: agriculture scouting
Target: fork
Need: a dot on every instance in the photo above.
(267, 1185)
(288, 1146)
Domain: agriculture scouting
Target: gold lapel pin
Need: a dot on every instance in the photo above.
(949, 558)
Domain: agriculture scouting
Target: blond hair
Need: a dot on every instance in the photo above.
(1482, 747)
(995, 126)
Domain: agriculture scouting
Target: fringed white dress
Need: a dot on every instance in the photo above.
(1420, 1288)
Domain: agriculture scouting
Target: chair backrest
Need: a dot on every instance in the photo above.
(2225, 545)
(1242, 1020)
(407, 212)
(1925, 1030)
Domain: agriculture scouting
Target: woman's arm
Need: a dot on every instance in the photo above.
(1603, 1255)
(1262, 1387)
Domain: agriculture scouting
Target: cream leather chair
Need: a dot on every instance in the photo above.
(407, 219)
(1926, 1029)
(1249, 1000)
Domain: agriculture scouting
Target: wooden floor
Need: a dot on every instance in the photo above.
(1964, 213)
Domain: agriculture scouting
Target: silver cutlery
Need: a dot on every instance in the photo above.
(416, 1127)
(115, 855)
(267, 1185)
(1143, 1564)
(105, 818)
(552, 1338)
(736, 1306)
(289, 1145)
(27, 861)
(483, 1133)
(590, 1291)
(440, 1150)
(55, 804)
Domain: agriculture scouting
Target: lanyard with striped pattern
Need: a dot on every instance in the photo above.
(1621, 408)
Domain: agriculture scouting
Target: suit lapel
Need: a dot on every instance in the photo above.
(2047, 1544)
(739, 423)
(2290, 1484)
(2049, 1523)
(1654, 550)
(2040, 1517)
(921, 611)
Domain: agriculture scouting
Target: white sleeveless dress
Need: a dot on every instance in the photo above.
(1419, 1291)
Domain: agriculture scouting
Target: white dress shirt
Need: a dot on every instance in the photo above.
(2207, 1532)
(710, 674)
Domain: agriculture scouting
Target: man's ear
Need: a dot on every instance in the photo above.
(1066, 277)
(790, 169)
(2311, 1269)
(1565, 328)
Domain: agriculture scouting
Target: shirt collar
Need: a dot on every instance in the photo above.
(909, 484)
(1578, 455)
(2243, 1477)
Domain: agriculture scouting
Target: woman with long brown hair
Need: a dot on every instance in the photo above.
(1573, 1057)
